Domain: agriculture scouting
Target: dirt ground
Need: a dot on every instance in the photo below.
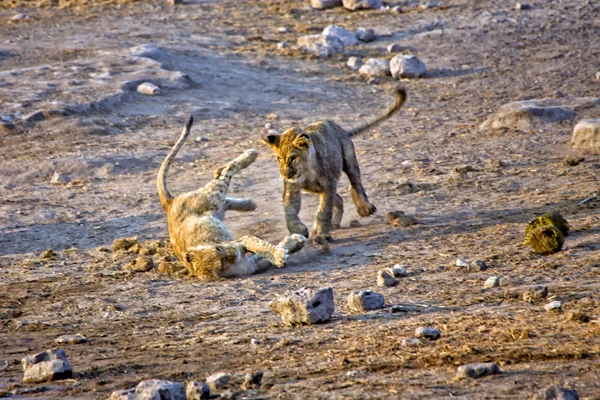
(66, 76)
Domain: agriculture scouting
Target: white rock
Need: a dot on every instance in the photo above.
(304, 306)
(347, 37)
(321, 45)
(522, 6)
(586, 135)
(59, 179)
(361, 4)
(461, 263)
(218, 381)
(407, 66)
(49, 365)
(411, 342)
(394, 48)
(197, 391)
(375, 67)
(70, 339)
(398, 271)
(365, 34)
(18, 17)
(282, 45)
(396, 9)
(428, 333)
(148, 88)
(325, 4)
(156, 389)
(365, 300)
(553, 305)
(385, 279)
(477, 370)
(283, 29)
(354, 63)
(492, 281)
(255, 342)
(174, 2)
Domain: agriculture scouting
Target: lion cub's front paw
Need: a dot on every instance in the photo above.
(364, 210)
(280, 257)
(293, 243)
(322, 239)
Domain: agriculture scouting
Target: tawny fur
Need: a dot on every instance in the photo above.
(198, 234)
(312, 159)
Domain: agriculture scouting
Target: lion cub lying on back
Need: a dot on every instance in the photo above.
(200, 238)
(312, 159)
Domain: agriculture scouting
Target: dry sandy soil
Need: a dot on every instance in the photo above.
(70, 68)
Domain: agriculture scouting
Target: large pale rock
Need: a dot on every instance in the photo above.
(365, 300)
(375, 67)
(365, 34)
(156, 389)
(304, 306)
(407, 66)
(321, 45)
(49, 365)
(354, 63)
(353, 5)
(325, 4)
(533, 114)
(556, 392)
(586, 135)
(347, 37)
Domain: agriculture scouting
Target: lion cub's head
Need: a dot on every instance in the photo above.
(293, 152)
(208, 262)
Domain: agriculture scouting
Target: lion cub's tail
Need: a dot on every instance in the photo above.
(166, 198)
(400, 99)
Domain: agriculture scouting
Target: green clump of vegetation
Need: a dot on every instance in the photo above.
(545, 234)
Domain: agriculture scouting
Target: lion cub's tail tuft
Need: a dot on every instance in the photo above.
(400, 100)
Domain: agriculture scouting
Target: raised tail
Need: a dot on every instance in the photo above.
(400, 99)
(166, 198)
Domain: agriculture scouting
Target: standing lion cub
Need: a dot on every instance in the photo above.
(312, 159)
(200, 238)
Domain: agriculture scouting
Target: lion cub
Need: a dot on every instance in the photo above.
(200, 238)
(312, 159)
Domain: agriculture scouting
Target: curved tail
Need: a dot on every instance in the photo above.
(166, 198)
(400, 99)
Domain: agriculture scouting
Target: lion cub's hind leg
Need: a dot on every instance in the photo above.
(357, 191)
(338, 211)
(239, 204)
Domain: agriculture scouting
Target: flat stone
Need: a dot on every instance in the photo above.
(477, 370)
(325, 4)
(70, 339)
(148, 88)
(411, 342)
(586, 135)
(304, 306)
(396, 9)
(366, 35)
(385, 279)
(49, 365)
(428, 333)
(156, 389)
(375, 67)
(18, 17)
(365, 300)
(530, 115)
(347, 37)
(461, 263)
(491, 282)
(321, 45)
(354, 5)
(556, 392)
(218, 381)
(477, 266)
(354, 63)
(197, 391)
(407, 66)
(553, 306)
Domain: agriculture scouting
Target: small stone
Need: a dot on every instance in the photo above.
(534, 294)
(252, 380)
(325, 4)
(282, 45)
(395, 309)
(578, 316)
(146, 251)
(174, 2)
(428, 333)
(156, 389)
(365, 300)
(374, 81)
(49, 365)
(398, 218)
(398, 271)
(255, 342)
(461, 263)
(128, 394)
(522, 6)
(366, 35)
(59, 179)
(396, 9)
(385, 279)
(477, 266)
(268, 125)
(304, 306)
(570, 161)
(586, 135)
(142, 264)
(477, 370)
(321, 45)
(18, 17)
(197, 391)
(149, 89)
(353, 374)
(48, 255)
(70, 339)
(375, 67)
(218, 381)
(353, 5)
(553, 305)
(556, 392)
(283, 29)
(407, 66)
(492, 281)
(347, 37)
(124, 244)
(411, 342)
(394, 48)
(355, 223)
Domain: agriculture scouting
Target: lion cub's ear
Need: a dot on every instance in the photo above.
(302, 141)
(272, 140)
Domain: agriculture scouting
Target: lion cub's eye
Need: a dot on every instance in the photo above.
(293, 158)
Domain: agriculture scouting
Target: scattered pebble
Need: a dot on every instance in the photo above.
(304, 306)
(461, 263)
(556, 392)
(477, 370)
(252, 380)
(522, 6)
(553, 305)
(398, 218)
(394, 48)
(375, 67)
(477, 265)
(255, 342)
(398, 309)
(59, 179)
(149, 89)
(347, 37)
(282, 45)
(18, 17)
(586, 135)
(174, 2)
(361, 301)
(325, 4)
(366, 35)
(49, 365)
(159, 389)
(353, 5)
(407, 66)
(398, 271)
(48, 255)
(128, 394)
(396, 9)
(353, 374)
(411, 342)
(197, 391)
(283, 29)
(355, 223)
(385, 279)
(428, 333)
(492, 281)
(218, 381)
(268, 125)
(71, 339)
(374, 81)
